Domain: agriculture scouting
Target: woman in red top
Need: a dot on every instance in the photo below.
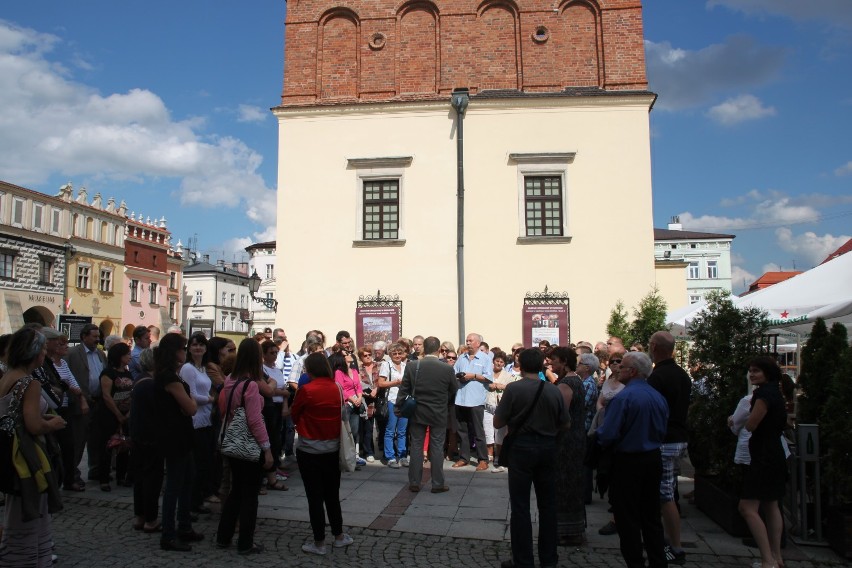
(245, 475)
(316, 413)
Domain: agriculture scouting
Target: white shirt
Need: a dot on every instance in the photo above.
(280, 383)
(199, 389)
(389, 372)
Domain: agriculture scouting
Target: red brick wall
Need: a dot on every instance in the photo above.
(381, 50)
(418, 51)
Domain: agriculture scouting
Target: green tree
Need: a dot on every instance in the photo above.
(820, 357)
(618, 325)
(724, 338)
(835, 426)
(649, 317)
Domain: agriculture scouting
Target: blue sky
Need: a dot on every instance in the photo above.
(165, 105)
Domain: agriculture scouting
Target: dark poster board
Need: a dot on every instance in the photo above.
(71, 325)
(377, 323)
(205, 326)
(548, 322)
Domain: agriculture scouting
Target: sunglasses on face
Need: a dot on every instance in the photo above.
(451, 357)
(615, 361)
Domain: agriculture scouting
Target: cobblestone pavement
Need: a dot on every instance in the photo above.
(96, 533)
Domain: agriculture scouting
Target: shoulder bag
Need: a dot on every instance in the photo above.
(346, 451)
(509, 440)
(409, 403)
(236, 439)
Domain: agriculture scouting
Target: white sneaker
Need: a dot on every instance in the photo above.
(370, 459)
(497, 469)
(393, 463)
(404, 461)
(346, 540)
(312, 548)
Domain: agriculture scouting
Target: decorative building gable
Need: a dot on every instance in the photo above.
(385, 50)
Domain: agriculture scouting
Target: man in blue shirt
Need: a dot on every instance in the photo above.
(474, 371)
(142, 341)
(634, 427)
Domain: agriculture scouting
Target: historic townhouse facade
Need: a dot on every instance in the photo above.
(216, 298)
(706, 259)
(152, 286)
(70, 259)
(262, 261)
(542, 108)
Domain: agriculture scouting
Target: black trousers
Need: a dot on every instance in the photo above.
(321, 476)
(470, 420)
(147, 464)
(635, 495)
(241, 504)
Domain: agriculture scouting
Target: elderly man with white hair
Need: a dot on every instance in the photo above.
(634, 428)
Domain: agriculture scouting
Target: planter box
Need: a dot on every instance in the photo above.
(720, 506)
(839, 530)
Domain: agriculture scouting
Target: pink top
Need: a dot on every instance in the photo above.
(253, 404)
(351, 386)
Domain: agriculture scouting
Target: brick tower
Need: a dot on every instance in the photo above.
(555, 134)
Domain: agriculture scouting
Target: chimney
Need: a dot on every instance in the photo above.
(205, 258)
(675, 225)
(220, 263)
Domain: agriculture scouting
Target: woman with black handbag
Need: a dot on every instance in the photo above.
(241, 391)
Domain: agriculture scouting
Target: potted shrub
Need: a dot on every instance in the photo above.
(835, 426)
(724, 339)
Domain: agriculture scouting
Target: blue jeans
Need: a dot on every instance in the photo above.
(395, 430)
(531, 463)
(178, 495)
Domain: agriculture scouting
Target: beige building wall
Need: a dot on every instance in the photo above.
(600, 145)
(671, 282)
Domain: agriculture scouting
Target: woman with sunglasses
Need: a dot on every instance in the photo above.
(368, 371)
(450, 358)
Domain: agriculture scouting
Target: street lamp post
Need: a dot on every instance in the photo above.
(254, 285)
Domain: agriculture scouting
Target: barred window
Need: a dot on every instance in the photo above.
(381, 209)
(543, 204)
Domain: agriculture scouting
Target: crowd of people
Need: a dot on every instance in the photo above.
(154, 417)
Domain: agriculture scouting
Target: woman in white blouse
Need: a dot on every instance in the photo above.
(194, 374)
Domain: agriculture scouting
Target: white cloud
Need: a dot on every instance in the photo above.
(834, 12)
(685, 78)
(55, 125)
(249, 113)
(844, 170)
(739, 109)
(771, 267)
(814, 248)
(741, 278)
(766, 213)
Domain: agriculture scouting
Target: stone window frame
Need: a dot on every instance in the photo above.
(55, 221)
(46, 266)
(543, 164)
(376, 169)
(40, 209)
(693, 270)
(83, 281)
(106, 276)
(134, 291)
(153, 294)
(8, 261)
(23, 204)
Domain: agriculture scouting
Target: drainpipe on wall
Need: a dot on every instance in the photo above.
(459, 100)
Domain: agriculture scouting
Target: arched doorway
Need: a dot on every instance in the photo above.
(40, 315)
(106, 327)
